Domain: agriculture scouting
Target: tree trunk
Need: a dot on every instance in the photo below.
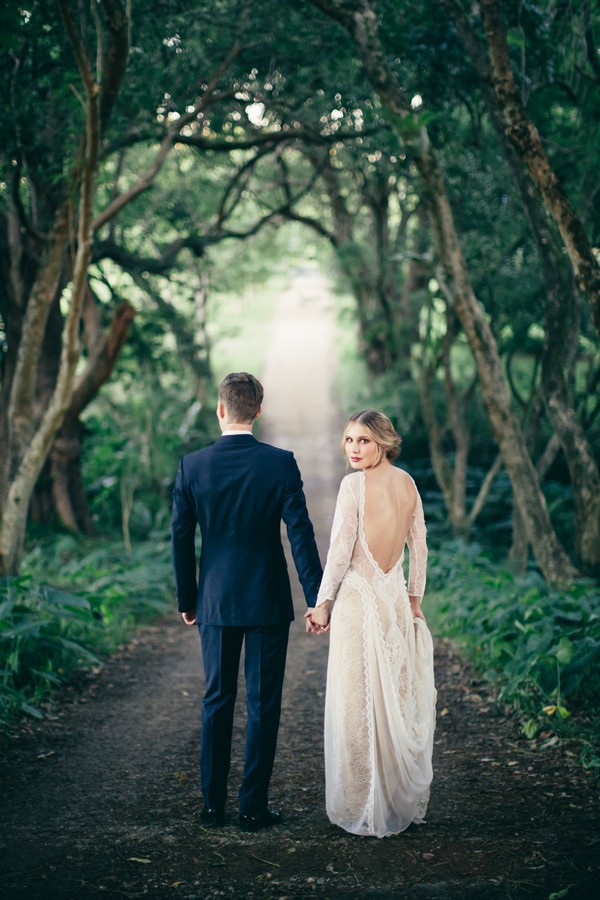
(28, 458)
(460, 432)
(582, 465)
(529, 498)
(484, 490)
(360, 20)
(452, 479)
(29, 440)
(560, 349)
(13, 293)
(28, 446)
(68, 491)
(441, 467)
(562, 323)
(519, 549)
(371, 290)
(201, 294)
(379, 203)
(528, 145)
(21, 409)
(413, 294)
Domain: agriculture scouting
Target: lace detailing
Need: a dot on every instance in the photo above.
(343, 538)
(416, 540)
(347, 553)
(380, 702)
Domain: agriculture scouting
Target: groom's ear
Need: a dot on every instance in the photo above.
(220, 410)
(258, 413)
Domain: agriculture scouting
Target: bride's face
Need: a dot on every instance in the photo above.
(361, 447)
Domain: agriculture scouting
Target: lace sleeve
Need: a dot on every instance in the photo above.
(344, 532)
(417, 547)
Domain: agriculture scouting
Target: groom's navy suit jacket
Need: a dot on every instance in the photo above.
(238, 491)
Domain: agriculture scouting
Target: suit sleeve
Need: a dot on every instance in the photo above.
(183, 530)
(300, 534)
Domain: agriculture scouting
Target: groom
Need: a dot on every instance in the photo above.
(238, 491)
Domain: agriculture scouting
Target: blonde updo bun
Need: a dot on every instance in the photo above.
(384, 434)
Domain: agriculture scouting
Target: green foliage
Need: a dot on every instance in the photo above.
(136, 432)
(38, 627)
(539, 645)
(71, 607)
(154, 410)
(357, 389)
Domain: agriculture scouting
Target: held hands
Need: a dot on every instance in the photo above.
(189, 618)
(317, 618)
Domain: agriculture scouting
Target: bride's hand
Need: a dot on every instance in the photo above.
(317, 618)
(320, 616)
(415, 606)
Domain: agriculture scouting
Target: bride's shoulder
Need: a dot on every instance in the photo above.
(401, 477)
(403, 474)
(350, 483)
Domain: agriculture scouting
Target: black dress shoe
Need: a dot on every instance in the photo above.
(262, 820)
(212, 818)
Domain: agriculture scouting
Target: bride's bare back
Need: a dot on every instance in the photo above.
(390, 499)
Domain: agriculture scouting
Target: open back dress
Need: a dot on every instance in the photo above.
(380, 699)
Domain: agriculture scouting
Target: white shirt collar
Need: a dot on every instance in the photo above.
(241, 431)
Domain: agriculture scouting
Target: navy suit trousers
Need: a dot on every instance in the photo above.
(265, 649)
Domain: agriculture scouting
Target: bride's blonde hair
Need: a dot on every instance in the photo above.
(384, 434)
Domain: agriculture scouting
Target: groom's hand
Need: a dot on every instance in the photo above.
(313, 627)
(310, 625)
(189, 618)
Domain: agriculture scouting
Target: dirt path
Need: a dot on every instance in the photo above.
(102, 801)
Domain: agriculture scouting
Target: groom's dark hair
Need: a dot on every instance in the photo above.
(242, 395)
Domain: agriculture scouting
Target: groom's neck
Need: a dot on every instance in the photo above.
(236, 426)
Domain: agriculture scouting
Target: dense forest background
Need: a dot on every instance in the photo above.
(440, 161)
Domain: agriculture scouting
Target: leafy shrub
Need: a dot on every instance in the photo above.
(133, 444)
(71, 608)
(40, 630)
(540, 644)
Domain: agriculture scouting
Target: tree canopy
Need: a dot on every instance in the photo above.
(444, 157)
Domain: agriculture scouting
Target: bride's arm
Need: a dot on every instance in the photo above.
(343, 537)
(417, 548)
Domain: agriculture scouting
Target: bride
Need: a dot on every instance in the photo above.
(380, 700)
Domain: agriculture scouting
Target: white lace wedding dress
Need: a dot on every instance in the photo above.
(380, 701)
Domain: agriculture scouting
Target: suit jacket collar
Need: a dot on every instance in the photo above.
(244, 440)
